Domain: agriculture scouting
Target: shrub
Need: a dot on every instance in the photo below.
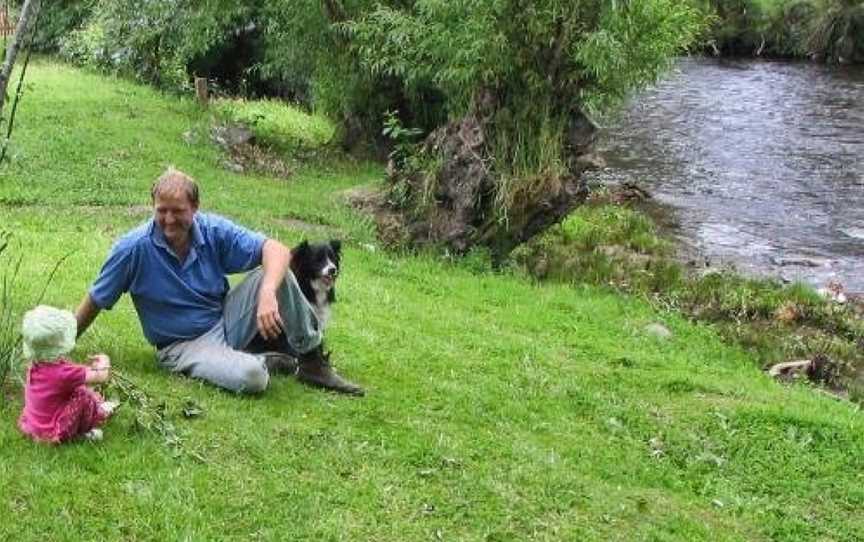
(85, 46)
(57, 19)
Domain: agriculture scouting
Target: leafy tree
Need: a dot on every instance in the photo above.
(518, 81)
(59, 18)
(838, 32)
(829, 30)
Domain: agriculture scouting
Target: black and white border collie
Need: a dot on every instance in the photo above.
(316, 267)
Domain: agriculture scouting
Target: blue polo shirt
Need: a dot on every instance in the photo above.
(177, 301)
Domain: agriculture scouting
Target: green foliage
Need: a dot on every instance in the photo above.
(838, 32)
(155, 41)
(548, 56)
(276, 124)
(740, 25)
(631, 45)
(832, 30)
(547, 53)
(527, 72)
(404, 140)
(528, 148)
(604, 245)
(602, 225)
(163, 42)
(299, 49)
(407, 157)
(789, 34)
(57, 19)
(85, 46)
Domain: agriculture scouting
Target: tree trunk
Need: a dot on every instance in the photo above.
(453, 204)
(28, 12)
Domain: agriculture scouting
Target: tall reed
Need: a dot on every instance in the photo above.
(10, 335)
(9, 331)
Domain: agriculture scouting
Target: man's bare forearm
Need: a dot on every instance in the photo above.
(86, 312)
(275, 260)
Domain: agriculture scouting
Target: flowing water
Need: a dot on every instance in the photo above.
(763, 163)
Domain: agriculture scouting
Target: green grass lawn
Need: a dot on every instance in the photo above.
(497, 409)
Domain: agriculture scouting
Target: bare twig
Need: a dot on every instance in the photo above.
(20, 87)
(28, 10)
(761, 47)
(54, 270)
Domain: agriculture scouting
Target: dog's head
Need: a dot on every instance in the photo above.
(317, 263)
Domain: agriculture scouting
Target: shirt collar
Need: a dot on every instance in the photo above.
(158, 236)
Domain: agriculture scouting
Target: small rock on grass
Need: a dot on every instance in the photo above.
(658, 330)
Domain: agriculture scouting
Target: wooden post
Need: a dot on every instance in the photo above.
(201, 90)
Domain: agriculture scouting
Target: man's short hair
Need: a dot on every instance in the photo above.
(172, 181)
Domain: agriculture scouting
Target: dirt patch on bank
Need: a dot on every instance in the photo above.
(390, 227)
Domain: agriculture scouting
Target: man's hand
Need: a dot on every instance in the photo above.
(275, 259)
(269, 321)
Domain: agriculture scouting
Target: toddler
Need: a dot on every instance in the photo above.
(58, 404)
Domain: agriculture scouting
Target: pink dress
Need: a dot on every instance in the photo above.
(57, 404)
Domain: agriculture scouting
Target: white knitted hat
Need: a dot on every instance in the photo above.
(48, 333)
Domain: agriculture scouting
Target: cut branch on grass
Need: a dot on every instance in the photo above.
(152, 415)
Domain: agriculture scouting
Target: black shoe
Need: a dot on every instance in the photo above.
(315, 370)
(281, 363)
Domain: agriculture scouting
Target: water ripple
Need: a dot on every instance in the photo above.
(765, 161)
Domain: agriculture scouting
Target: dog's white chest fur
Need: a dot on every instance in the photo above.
(321, 305)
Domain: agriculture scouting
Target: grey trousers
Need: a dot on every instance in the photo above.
(217, 356)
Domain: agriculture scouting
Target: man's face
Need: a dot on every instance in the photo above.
(173, 213)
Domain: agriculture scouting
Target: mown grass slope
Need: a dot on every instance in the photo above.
(498, 409)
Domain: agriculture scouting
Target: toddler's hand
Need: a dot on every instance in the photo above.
(100, 361)
(100, 369)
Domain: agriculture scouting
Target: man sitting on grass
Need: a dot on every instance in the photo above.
(175, 265)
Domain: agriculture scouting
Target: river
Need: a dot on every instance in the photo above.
(762, 162)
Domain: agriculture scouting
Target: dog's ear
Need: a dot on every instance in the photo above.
(300, 249)
(336, 245)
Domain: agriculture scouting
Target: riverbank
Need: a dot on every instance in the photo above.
(498, 408)
(741, 147)
(624, 240)
(830, 31)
